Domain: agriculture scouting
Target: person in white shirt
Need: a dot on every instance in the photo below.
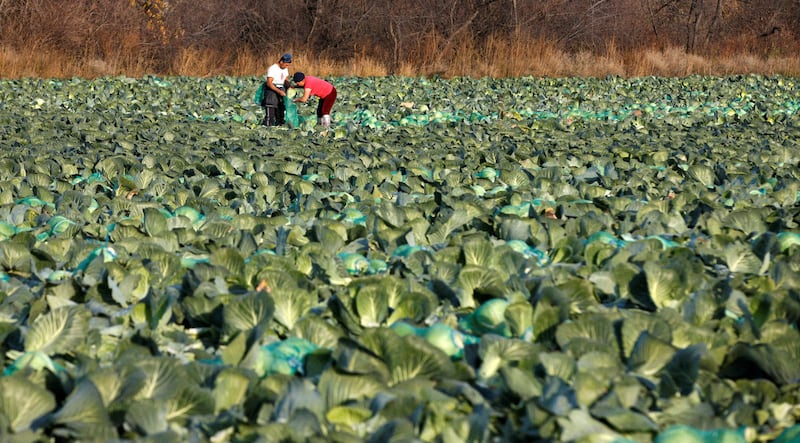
(276, 85)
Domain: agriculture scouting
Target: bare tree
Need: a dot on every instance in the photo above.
(395, 32)
(702, 25)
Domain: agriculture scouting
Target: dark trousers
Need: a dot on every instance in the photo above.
(274, 109)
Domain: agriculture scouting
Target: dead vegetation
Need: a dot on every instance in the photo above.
(496, 38)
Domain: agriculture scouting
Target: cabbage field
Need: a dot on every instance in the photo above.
(454, 260)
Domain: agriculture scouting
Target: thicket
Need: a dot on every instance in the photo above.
(449, 37)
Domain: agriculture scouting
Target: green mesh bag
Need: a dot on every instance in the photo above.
(259, 97)
(292, 119)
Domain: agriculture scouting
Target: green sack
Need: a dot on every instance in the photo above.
(292, 119)
(259, 97)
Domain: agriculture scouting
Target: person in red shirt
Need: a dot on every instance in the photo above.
(320, 88)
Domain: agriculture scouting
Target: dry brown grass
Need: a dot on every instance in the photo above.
(18, 64)
(361, 65)
(497, 57)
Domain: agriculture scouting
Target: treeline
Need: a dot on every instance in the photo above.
(397, 36)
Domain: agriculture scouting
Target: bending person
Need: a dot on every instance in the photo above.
(319, 88)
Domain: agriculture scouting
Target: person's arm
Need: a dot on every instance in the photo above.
(273, 87)
(305, 97)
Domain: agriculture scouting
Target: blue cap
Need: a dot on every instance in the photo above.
(298, 77)
(286, 58)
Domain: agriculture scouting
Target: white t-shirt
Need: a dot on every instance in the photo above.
(278, 75)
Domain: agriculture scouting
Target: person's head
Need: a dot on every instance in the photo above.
(299, 78)
(285, 60)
